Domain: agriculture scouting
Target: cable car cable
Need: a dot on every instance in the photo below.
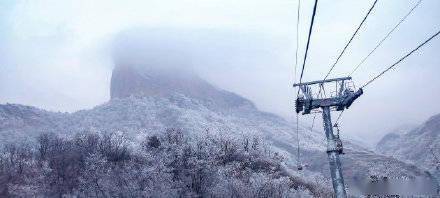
(351, 39)
(378, 45)
(400, 60)
(308, 41)
(307, 49)
(386, 36)
(297, 39)
(299, 166)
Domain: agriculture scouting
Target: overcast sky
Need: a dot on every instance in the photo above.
(56, 54)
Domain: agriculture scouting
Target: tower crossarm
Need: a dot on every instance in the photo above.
(322, 81)
(342, 98)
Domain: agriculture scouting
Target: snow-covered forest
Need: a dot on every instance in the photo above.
(167, 165)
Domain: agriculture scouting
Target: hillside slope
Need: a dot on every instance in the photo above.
(416, 144)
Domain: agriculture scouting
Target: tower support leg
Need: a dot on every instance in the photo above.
(333, 156)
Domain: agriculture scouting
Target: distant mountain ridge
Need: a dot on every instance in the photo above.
(414, 145)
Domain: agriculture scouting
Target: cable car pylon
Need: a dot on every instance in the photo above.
(341, 95)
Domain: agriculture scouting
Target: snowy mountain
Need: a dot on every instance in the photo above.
(416, 145)
(146, 102)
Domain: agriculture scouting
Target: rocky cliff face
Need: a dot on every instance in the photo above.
(416, 145)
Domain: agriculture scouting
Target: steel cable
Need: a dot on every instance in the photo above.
(308, 41)
(386, 36)
(351, 39)
(401, 59)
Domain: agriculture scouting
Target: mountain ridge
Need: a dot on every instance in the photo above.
(415, 145)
